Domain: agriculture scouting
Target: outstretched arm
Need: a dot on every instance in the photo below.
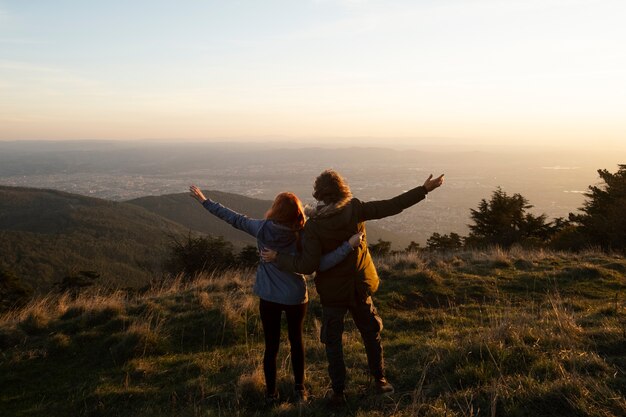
(238, 221)
(328, 260)
(383, 208)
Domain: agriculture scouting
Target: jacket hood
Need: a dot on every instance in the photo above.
(276, 236)
(326, 210)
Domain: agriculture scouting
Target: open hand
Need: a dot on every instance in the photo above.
(430, 184)
(268, 255)
(355, 240)
(197, 194)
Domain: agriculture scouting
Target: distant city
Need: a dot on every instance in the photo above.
(553, 183)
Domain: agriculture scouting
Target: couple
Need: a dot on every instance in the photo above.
(332, 243)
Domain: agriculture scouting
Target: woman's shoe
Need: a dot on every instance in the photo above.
(383, 386)
(271, 399)
(301, 396)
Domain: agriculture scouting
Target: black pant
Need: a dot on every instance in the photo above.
(270, 318)
(369, 324)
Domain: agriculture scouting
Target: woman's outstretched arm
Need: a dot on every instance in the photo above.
(238, 221)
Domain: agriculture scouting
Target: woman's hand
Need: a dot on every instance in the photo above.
(268, 255)
(430, 184)
(355, 240)
(197, 194)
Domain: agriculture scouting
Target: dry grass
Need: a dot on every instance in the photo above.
(485, 333)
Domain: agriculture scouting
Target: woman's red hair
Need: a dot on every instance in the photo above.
(287, 210)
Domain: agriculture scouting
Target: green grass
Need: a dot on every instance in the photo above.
(466, 334)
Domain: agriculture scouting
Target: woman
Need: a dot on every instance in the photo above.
(279, 291)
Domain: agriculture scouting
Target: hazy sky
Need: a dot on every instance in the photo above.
(531, 72)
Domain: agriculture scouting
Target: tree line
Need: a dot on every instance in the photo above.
(504, 221)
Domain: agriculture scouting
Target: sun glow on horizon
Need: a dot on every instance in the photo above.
(521, 71)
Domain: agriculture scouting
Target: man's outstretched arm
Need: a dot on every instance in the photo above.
(384, 208)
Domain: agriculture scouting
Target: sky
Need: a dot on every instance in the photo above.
(520, 72)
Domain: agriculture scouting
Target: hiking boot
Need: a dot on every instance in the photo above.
(383, 386)
(336, 399)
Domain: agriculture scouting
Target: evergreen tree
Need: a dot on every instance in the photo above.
(603, 218)
(503, 221)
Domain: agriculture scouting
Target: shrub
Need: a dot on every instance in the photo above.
(248, 257)
(381, 248)
(75, 282)
(13, 291)
(139, 340)
(451, 242)
(36, 321)
(199, 254)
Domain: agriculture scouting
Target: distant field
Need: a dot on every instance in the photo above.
(536, 334)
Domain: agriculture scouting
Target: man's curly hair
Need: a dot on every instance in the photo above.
(330, 187)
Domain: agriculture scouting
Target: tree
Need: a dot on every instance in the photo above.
(412, 247)
(603, 218)
(199, 254)
(504, 221)
(381, 248)
(437, 242)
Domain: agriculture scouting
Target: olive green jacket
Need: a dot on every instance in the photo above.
(355, 278)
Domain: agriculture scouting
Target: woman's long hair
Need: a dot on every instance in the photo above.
(287, 210)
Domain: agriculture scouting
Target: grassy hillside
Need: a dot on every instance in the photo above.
(466, 334)
(182, 209)
(46, 234)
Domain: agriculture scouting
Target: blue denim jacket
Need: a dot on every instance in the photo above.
(271, 283)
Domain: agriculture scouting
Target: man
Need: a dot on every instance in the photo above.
(349, 285)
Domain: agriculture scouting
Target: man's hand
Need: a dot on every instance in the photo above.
(430, 184)
(355, 240)
(268, 255)
(197, 194)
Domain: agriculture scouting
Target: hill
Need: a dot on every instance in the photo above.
(47, 234)
(184, 210)
(524, 334)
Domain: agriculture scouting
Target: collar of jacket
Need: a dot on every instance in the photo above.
(326, 210)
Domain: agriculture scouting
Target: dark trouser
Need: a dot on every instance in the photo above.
(270, 318)
(369, 324)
